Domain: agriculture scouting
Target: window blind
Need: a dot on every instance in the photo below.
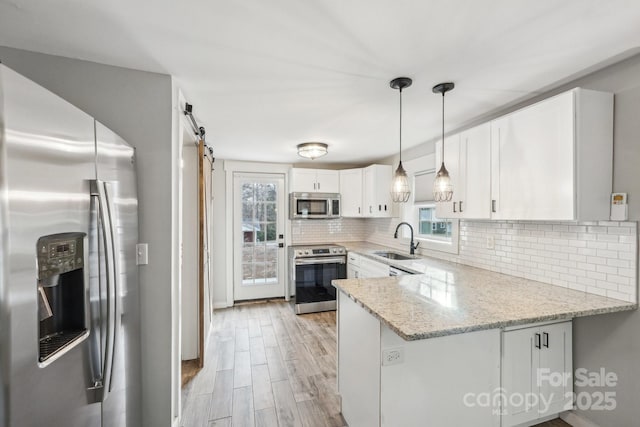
(423, 186)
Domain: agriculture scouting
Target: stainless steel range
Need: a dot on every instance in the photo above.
(311, 270)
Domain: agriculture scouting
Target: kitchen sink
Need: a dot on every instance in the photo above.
(394, 255)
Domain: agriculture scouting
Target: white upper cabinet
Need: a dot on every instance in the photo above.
(365, 192)
(315, 180)
(377, 191)
(468, 160)
(553, 160)
(475, 158)
(351, 181)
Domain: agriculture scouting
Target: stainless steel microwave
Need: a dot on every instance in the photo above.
(314, 205)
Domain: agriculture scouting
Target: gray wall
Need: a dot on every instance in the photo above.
(138, 106)
(613, 341)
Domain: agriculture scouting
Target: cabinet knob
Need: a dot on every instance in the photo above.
(454, 207)
(537, 339)
(460, 205)
(545, 339)
(493, 206)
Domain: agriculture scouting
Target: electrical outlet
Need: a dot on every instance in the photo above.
(491, 242)
(392, 356)
(142, 253)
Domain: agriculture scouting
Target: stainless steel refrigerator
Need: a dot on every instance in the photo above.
(69, 299)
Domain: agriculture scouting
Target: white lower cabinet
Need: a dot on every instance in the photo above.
(353, 265)
(439, 382)
(358, 364)
(490, 378)
(536, 372)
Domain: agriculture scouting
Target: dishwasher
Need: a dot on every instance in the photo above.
(396, 271)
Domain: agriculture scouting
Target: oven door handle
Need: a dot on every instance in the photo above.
(327, 260)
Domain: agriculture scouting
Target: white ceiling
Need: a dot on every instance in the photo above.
(265, 75)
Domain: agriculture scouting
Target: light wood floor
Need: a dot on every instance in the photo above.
(265, 366)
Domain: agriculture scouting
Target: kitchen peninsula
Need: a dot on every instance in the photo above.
(441, 347)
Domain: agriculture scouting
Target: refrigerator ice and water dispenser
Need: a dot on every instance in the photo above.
(62, 310)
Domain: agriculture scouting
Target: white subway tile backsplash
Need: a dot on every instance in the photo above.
(596, 275)
(618, 295)
(596, 229)
(612, 278)
(622, 247)
(604, 253)
(577, 287)
(328, 231)
(609, 223)
(627, 272)
(597, 256)
(585, 267)
(577, 258)
(587, 251)
(607, 238)
(606, 269)
(596, 290)
(605, 284)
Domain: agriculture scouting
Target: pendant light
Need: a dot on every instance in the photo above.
(400, 190)
(442, 188)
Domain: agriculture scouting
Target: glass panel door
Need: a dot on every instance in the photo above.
(258, 236)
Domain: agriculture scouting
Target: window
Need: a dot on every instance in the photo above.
(430, 226)
(432, 232)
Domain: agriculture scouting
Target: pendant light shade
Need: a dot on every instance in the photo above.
(442, 186)
(312, 150)
(400, 189)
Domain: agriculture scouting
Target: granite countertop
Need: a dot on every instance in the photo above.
(449, 298)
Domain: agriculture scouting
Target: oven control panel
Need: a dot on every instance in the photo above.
(315, 251)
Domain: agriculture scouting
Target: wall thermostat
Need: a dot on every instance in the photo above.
(619, 207)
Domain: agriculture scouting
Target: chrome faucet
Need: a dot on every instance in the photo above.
(412, 246)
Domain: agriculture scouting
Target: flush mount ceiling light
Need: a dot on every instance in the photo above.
(312, 150)
(400, 190)
(442, 187)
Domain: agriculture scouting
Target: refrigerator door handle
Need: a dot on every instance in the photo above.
(96, 356)
(115, 267)
(102, 382)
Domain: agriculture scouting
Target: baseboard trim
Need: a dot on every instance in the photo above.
(218, 305)
(570, 417)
